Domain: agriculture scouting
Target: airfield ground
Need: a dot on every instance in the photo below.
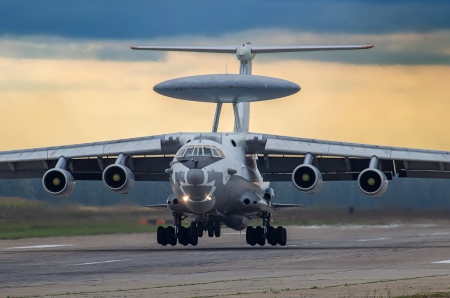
(385, 260)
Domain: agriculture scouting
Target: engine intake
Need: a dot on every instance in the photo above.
(372, 182)
(118, 178)
(307, 178)
(58, 182)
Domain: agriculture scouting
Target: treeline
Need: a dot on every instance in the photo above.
(406, 194)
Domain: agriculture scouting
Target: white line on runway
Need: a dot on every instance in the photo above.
(442, 262)
(102, 262)
(434, 234)
(236, 233)
(40, 246)
(292, 245)
(364, 240)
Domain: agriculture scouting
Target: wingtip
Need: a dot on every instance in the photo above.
(368, 47)
(134, 48)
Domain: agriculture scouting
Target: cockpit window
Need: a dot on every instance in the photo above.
(199, 150)
(207, 151)
(189, 150)
(214, 152)
(220, 153)
(181, 152)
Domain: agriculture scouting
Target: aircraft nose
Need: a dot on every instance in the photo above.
(195, 176)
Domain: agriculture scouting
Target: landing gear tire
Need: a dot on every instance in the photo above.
(183, 236)
(170, 236)
(200, 229)
(250, 236)
(161, 236)
(217, 229)
(281, 236)
(259, 233)
(193, 240)
(193, 229)
(210, 229)
(271, 236)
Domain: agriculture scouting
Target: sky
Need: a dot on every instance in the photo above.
(68, 75)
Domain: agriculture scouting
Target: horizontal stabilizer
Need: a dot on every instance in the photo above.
(285, 49)
(204, 49)
(284, 206)
(157, 206)
(254, 49)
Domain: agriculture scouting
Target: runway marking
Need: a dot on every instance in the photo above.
(215, 252)
(236, 233)
(40, 246)
(364, 240)
(292, 245)
(442, 262)
(434, 234)
(101, 262)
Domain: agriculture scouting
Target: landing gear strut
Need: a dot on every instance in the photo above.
(260, 235)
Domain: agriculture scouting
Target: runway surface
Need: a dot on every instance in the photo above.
(322, 261)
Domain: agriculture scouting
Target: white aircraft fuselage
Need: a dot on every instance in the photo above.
(215, 178)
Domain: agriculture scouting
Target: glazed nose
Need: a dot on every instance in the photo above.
(195, 176)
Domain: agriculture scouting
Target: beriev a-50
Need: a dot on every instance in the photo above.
(223, 178)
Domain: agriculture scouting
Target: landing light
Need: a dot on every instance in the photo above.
(185, 198)
(208, 198)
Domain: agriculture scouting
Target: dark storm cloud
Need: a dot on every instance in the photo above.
(154, 19)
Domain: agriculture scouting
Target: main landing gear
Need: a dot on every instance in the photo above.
(185, 236)
(260, 235)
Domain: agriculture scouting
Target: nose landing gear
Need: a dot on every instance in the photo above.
(260, 235)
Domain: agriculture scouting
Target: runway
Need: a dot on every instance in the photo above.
(321, 261)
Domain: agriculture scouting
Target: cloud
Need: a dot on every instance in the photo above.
(141, 19)
(396, 48)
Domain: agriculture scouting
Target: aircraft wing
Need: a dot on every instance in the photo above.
(148, 157)
(278, 156)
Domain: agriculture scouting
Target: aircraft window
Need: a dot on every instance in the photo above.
(207, 151)
(181, 152)
(214, 152)
(199, 150)
(195, 151)
(189, 150)
(220, 153)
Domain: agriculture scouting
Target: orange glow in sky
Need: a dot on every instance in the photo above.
(47, 102)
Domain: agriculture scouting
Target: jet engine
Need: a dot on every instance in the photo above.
(58, 181)
(117, 177)
(307, 178)
(372, 182)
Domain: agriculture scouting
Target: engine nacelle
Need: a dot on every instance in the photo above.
(372, 182)
(58, 182)
(307, 178)
(118, 178)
